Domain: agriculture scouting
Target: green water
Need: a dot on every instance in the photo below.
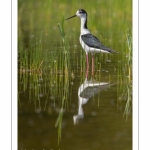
(51, 73)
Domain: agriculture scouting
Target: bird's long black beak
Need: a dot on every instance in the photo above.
(70, 17)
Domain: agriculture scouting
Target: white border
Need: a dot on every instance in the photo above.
(144, 75)
(14, 75)
(135, 127)
(5, 74)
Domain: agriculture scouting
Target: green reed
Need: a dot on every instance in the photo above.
(124, 76)
(66, 67)
(128, 106)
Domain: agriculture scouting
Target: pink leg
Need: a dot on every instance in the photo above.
(87, 65)
(92, 64)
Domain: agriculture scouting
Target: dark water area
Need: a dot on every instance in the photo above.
(103, 126)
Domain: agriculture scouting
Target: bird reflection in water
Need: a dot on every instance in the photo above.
(87, 90)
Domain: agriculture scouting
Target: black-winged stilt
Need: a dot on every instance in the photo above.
(89, 42)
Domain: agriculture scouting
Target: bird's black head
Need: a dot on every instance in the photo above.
(80, 13)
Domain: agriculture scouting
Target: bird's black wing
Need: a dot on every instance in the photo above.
(94, 42)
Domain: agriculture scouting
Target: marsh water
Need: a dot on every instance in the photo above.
(59, 108)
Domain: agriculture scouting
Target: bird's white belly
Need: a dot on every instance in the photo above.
(89, 49)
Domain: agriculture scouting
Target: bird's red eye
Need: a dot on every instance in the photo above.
(80, 11)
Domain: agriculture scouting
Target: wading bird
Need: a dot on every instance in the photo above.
(89, 42)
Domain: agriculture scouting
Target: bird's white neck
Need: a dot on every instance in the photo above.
(84, 29)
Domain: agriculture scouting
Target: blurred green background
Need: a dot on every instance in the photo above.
(106, 18)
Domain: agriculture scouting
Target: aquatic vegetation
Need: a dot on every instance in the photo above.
(128, 106)
(65, 95)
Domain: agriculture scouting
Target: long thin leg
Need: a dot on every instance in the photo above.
(87, 65)
(92, 64)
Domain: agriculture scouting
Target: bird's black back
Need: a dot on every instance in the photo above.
(94, 42)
